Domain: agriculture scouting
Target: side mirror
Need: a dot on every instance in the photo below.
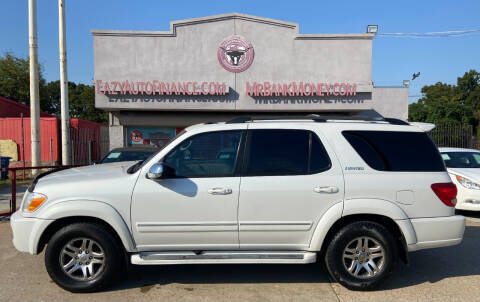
(155, 171)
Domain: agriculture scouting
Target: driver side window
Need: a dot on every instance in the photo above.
(212, 154)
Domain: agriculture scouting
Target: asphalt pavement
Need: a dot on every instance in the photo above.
(444, 274)
(6, 195)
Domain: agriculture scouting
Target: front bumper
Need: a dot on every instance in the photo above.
(437, 232)
(467, 199)
(27, 231)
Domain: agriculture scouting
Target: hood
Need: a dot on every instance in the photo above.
(109, 183)
(470, 173)
(90, 172)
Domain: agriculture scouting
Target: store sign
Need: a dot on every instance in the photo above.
(159, 88)
(235, 53)
(300, 89)
(253, 89)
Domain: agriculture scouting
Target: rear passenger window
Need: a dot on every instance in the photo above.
(396, 151)
(285, 152)
(319, 160)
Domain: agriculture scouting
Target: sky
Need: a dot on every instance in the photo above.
(394, 58)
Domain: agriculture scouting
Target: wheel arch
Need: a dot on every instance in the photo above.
(65, 213)
(380, 211)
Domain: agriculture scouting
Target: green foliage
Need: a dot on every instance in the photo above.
(81, 100)
(15, 80)
(14, 77)
(449, 104)
(15, 84)
(82, 104)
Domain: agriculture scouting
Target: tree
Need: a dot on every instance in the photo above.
(469, 89)
(445, 103)
(15, 84)
(15, 81)
(82, 104)
(81, 100)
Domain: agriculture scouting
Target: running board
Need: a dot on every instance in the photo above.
(219, 257)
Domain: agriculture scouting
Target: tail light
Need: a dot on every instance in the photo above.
(446, 192)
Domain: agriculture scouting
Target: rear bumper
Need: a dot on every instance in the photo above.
(27, 231)
(437, 232)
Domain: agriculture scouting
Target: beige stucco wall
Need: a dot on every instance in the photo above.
(391, 102)
(8, 148)
(188, 52)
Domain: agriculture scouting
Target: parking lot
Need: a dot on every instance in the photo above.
(446, 274)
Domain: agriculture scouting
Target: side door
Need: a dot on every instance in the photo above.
(290, 178)
(194, 207)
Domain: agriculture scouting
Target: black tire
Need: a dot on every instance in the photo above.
(109, 269)
(337, 264)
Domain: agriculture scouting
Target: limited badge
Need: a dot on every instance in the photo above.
(235, 53)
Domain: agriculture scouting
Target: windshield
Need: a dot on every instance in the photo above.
(140, 164)
(116, 156)
(461, 159)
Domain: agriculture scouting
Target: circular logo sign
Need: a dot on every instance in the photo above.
(235, 53)
(136, 136)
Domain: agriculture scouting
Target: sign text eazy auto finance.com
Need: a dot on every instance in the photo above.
(159, 88)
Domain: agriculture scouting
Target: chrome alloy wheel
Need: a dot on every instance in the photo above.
(82, 259)
(363, 257)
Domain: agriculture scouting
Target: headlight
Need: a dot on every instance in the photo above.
(33, 202)
(467, 183)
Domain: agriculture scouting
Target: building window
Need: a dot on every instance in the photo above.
(150, 136)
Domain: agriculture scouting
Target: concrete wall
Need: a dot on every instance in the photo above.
(116, 132)
(391, 101)
(188, 52)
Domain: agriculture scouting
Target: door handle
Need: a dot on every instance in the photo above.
(220, 191)
(329, 189)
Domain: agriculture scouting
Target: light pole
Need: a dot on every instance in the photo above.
(34, 92)
(64, 107)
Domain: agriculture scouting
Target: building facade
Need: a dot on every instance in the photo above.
(155, 83)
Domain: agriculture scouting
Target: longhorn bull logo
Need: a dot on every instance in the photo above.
(235, 53)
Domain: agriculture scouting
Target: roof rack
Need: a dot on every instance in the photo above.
(319, 119)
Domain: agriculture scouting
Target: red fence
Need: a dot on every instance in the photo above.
(11, 128)
(84, 136)
(85, 141)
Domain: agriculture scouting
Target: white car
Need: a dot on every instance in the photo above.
(355, 194)
(463, 165)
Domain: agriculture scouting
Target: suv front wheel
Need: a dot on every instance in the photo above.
(362, 255)
(83, 257)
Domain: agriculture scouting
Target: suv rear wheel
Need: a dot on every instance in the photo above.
(362, 255)
(83, 257)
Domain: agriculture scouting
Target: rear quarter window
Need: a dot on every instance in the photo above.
(396, 151)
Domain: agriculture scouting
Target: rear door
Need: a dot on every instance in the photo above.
(290, 179)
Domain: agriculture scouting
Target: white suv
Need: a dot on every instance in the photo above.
(358, 194)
